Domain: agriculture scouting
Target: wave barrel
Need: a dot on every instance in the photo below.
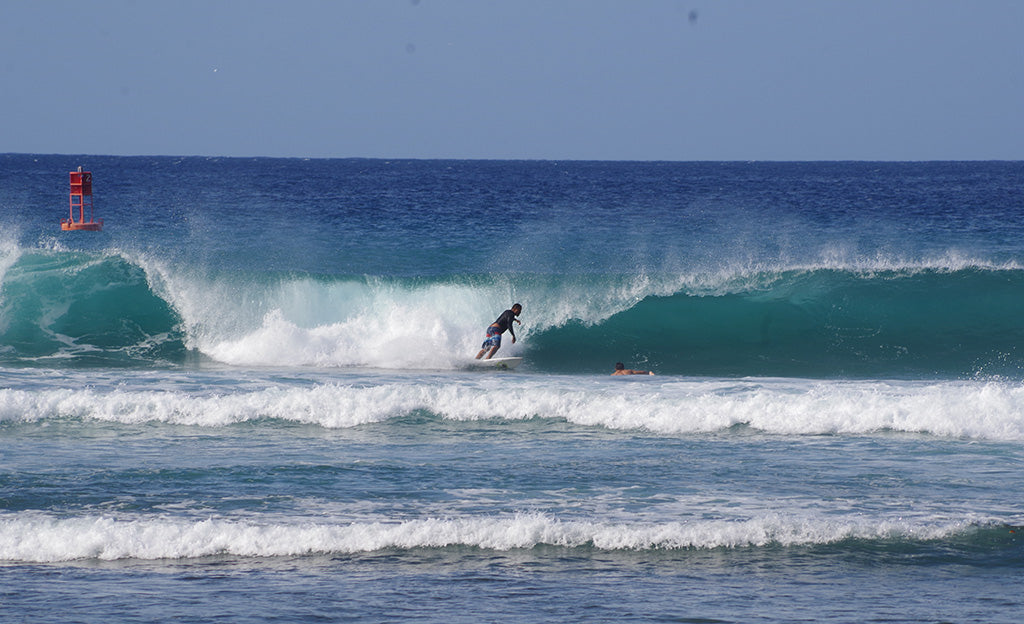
(80, 197)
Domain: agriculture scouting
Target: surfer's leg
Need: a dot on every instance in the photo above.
(493, 342)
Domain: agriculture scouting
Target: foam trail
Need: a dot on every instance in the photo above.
(975, 410)
(42, 538)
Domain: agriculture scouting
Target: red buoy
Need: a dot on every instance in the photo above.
(80, 197)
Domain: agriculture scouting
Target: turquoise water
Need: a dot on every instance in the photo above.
(247, 398)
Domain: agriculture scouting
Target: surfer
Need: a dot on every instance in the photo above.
(497, 328)
(620, 369)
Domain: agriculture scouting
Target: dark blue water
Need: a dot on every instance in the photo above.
(247, 398)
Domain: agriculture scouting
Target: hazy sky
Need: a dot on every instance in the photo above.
(535, 79)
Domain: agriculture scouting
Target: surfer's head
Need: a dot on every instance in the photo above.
(516, 309)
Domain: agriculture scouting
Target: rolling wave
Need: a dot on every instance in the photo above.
(888, 320)
(42, 538)
(814, 323)
(661, 405)
(84, 309)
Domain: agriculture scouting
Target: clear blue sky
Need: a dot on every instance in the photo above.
(536, 79)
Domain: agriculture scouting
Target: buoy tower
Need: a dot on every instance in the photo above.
(80, 197)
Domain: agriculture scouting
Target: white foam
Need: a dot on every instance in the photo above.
(34, 537)
(976, 410)
(302, 321)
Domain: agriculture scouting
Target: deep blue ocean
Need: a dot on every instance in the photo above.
(249, 399)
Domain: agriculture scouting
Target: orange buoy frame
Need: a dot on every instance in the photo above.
(80, 197)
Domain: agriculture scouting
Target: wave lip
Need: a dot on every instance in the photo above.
(40, 538)
(63, 307)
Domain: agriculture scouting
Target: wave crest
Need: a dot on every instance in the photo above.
(665, 406)
(49, 539)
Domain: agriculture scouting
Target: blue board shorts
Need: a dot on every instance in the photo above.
(493, 338)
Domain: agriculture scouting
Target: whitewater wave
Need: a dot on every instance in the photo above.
(969, 410)
(42, 538)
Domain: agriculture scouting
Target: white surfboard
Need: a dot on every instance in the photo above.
(500, 363)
